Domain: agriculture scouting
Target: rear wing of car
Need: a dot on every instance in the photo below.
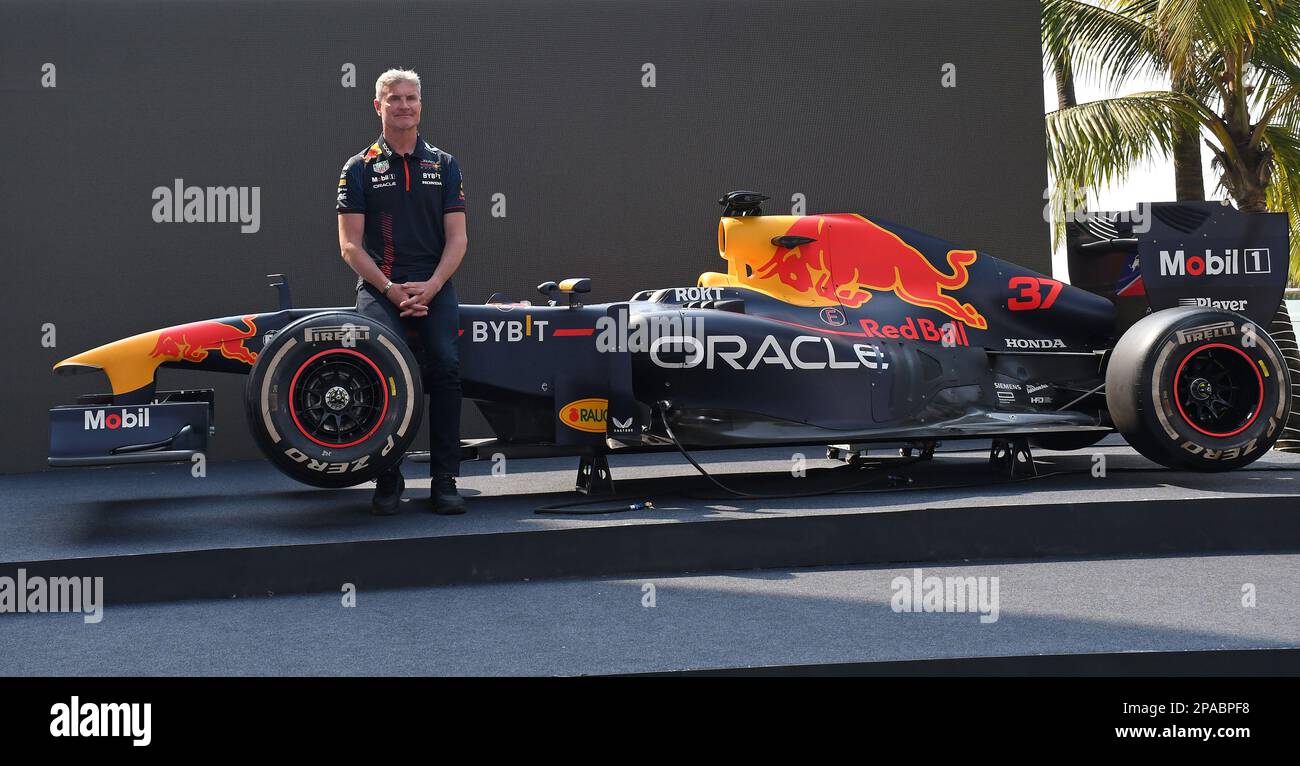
(1166, 254)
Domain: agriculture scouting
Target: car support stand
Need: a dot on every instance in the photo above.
(921, 450)
(594, 477)
(1012, 457)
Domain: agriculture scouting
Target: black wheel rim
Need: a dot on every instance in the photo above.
(1218, 390)
(338, 399)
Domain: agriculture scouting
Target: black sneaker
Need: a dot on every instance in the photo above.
(388, 494)
(444, 498)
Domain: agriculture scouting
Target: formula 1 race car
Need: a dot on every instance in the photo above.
(829, 329)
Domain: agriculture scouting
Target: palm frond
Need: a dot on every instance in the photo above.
(1288, 116)
(1278, 105)
(1098, 143)
(1275, 60)
(1101, 140)
(1283, 195)
(1104, 45)
(1188, 25)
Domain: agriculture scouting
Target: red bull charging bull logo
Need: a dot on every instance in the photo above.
(844, 257)
(193, 342)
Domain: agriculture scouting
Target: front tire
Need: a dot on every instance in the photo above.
(1199, 389)
(334, 399)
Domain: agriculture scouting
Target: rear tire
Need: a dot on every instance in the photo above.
(334, 399)
(1199, 389)
(1283, 333)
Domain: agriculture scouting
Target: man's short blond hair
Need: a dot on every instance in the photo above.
(387, 79)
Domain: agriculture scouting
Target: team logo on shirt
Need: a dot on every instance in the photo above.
(374, 151)
(380, 167)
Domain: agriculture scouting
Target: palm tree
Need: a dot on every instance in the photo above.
(1234, 69)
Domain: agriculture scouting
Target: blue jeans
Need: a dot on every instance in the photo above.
(438, 332)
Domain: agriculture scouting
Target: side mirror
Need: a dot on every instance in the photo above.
(281, 286)
(576, 285)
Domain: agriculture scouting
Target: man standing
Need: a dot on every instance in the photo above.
(401, 209)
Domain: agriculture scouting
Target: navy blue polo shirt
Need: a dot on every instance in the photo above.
(403, 198)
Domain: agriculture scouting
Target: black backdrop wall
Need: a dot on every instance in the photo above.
(547, 104)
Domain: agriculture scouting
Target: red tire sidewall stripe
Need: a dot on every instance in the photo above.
(1259, 407)
(293, 387)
